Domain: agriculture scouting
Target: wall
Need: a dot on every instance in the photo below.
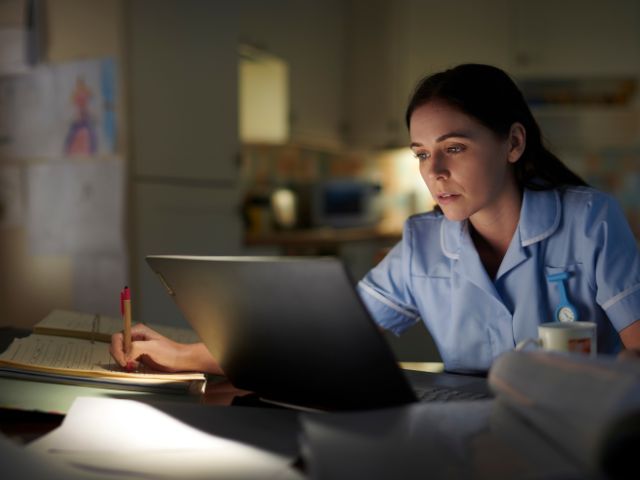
(77, 29)
(30, 284)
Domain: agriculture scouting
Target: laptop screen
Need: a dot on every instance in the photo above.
(291, 329)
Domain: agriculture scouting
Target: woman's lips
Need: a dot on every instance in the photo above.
(446, 198)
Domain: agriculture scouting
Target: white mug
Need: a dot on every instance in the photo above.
(577, 337)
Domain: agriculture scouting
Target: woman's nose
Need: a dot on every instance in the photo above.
(436, 168)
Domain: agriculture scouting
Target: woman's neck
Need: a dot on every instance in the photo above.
(492, 231)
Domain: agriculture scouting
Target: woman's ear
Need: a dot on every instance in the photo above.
(517, 142)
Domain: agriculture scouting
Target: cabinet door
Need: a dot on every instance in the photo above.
(574, 38)
(183, 72)
(394, 44)
(178, 220)
(375, 70)
(445, 34)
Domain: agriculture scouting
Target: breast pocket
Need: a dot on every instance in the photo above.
(431, 289)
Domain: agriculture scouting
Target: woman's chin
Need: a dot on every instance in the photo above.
(454, 215)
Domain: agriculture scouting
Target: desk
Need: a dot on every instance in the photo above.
(31, 409)
(455, 440)
(442, 440)
(25, 426)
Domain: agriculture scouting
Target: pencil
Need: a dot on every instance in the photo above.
(126, 302)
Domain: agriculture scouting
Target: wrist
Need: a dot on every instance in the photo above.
(197, 358)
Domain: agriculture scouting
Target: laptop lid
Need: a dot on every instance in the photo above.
(291, 329)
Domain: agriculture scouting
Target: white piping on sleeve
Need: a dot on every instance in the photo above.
(388, 303)
(609, 303)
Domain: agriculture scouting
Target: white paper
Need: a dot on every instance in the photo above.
(11, 197)
(76, 208)
(125, 438)
(61, 110)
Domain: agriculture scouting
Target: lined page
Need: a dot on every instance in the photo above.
(47, 353)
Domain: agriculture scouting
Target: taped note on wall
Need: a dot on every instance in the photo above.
(76, 207)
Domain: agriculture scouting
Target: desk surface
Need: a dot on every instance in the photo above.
(29, 409)
(483, 437)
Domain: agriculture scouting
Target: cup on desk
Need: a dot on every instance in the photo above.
(575, 337)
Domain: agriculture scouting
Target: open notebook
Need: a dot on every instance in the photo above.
(73, 347)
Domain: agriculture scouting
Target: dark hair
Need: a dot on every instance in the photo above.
(490, 96)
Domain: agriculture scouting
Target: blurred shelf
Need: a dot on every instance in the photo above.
(321, 237)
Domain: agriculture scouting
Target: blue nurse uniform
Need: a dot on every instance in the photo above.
(434, 274)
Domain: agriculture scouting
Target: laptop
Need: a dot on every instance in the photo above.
(294, 331)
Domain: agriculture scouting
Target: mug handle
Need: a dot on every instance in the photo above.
(529, 341)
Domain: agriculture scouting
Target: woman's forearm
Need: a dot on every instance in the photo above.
(196, 357)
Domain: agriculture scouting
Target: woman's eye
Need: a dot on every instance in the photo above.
(422, 156)
(455, 148)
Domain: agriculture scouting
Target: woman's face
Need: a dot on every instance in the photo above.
(465, 165)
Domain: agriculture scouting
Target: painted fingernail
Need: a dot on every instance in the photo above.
(130, 367)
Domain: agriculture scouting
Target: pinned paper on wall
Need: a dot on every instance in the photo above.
(76, 207)
(65, 110)
(11, 197)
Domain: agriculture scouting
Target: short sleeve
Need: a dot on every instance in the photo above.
(386, 293)
(616, 259)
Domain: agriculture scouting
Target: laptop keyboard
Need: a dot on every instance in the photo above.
(444, 394)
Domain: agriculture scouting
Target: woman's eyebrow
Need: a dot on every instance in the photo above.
(454, 134)
(441, 138)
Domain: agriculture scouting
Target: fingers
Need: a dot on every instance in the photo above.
(117, 349)
(158, 355)
(139, 332)
(148, 347)
(128, 360)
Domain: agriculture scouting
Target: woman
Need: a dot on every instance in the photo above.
(510, 214)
